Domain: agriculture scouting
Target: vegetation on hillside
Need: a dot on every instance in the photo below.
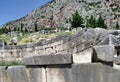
(35, 35)
(76, 20)
(93, 22)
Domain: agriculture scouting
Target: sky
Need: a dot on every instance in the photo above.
(15, 9)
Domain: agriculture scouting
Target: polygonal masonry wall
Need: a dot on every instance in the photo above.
(86, 38)
(76, 44)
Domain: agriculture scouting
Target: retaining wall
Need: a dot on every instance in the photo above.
(90, 72)
(85, 39)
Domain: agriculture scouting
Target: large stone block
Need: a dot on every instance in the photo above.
(114, 40)
(86, 72)
(17, 74)
(83, 57)
(94, 73)
(36, 74)
(59, 73)
(48, 59)
(104, 53)
(3, 74)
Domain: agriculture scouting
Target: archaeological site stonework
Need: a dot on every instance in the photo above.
(91, 55)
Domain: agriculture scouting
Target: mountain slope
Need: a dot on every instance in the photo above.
(58, 12)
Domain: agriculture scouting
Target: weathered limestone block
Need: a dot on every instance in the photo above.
(17, 74)
(87, 72)
(114, 40)
(104, 53)
(101, 35)
(3, 74)
(105, 41)
(115, 66)
(48, 59)
(94, 73)
(117, 60)
(114, 32)
(36, 74)
(59, 73)
(83, 57)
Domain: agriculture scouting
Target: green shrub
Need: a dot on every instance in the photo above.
(91, 22)
(76, 20)
(63, 28)
(11, 63)
(117, 26)
(114, 9)
(101, 23)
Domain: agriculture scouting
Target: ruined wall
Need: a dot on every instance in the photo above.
(85, 39)
(90, 56)
(59, 68)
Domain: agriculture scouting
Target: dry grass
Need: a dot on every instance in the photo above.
(33, 37)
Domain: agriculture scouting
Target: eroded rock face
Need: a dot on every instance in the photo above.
(57, 13)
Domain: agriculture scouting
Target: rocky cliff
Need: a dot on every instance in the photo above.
(58, 12)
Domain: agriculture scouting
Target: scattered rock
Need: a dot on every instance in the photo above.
(104, 53)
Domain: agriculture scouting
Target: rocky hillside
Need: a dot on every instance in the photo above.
(57, 13)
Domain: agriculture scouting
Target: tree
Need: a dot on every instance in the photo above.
(18, 29)
(76, 20)
(21, 29)
(15, 28)
(4, 30)
(91, 22)
(26, 30)
(101, 23)
(9, 29)
(36, 27)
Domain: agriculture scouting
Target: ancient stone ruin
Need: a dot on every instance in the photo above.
(92, 55)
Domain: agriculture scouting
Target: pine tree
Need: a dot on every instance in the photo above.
(15, 28)
(101, 23)
(91, 22)
(18, 29)
(76, 20)
(26, 30)
(9, 29)
(36, 27)
(21, 27)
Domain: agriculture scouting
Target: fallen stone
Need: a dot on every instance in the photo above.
(48, 59)
(3, 74)
(114, 40)
(105, 41)
(104, 53)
